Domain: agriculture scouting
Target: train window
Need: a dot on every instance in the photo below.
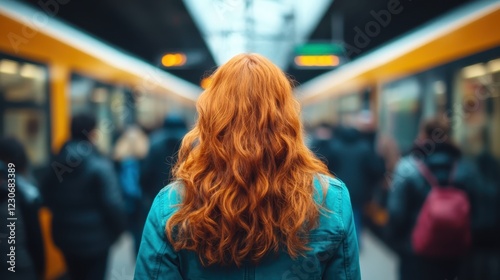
(434, 96)
(28, 126)
(494, 89)
(91, 96)
(400, 111)
(478, 117)
(348, 108)
(321, 112)
(100, 97)
(122, 108)
(22, 82)
(439, 92)
(23, 107)
(145, 115)
(151, 111)
(80, 89)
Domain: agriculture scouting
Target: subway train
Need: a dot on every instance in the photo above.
(49, 71)
(448, 68)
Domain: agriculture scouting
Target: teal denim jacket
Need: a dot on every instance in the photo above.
(333, 254)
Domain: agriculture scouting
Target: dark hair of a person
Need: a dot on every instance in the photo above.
(12, 151)
(81, 125)
(436, 126)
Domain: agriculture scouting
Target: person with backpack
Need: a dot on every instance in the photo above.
(429, 206)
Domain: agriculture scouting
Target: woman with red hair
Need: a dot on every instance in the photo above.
(249, 200)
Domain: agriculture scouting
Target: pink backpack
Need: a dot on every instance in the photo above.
(443, 226)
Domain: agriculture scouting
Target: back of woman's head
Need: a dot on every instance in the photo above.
(435, 129)
(246, 171)
(12, 151)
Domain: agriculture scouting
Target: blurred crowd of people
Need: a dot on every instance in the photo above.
(391, 193)
(93, 198)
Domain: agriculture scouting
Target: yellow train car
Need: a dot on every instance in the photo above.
(433, 70)
(448, 68)
(49, 70)
(457, 35)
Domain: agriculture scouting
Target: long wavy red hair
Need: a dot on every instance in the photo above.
(247, 174)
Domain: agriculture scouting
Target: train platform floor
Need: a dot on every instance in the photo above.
(377, 261)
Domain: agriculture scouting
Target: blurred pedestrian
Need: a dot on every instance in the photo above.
(321, 144)
(355, 163)
(385, 154)
(157, 166)
(386, 148)
(29, 246)
(83, 193)
(434, 163)
(250, 200)
(131, 147)
(484, 260)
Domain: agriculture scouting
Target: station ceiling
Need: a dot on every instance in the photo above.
(150, 28)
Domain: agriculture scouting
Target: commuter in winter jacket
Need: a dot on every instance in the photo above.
(435, 149)
(83, 193)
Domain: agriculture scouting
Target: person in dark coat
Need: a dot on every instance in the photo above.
(321, 144)
(83, 193)
(29, 246)
(484, 259)
(157, 166)
(354, 163)
(409, 190)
